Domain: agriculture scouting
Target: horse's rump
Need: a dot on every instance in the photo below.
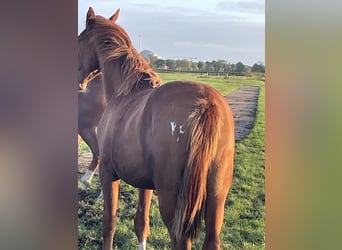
(205, 123)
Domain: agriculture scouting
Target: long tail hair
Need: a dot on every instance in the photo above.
(205, 126)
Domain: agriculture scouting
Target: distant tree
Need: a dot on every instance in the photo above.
(228, 67)
(194, 66)
(248, 69)
(258, 67)
(184, 64)
(159, 63)
(153, 60)
(210, 66)
(170, 63)
(177, 64)
(239, 68)
(215, 65)
(221, 65)
(200, 65)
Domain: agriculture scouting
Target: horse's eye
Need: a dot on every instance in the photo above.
(107, 42)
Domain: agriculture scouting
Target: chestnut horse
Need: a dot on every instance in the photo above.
(176, 138)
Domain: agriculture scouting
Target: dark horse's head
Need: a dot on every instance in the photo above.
(88, 59)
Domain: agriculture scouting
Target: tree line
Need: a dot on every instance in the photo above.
(219, 66)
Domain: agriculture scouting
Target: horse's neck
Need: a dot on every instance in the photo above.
(112, 78)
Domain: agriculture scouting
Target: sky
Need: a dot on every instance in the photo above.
(199, 30)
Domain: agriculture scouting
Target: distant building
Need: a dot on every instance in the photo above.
(148, 54)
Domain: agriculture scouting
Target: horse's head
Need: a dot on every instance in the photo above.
(103, 40)
(89, 44)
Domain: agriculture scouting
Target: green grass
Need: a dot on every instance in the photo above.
(225, 86)
(83, 148)
(244, 224)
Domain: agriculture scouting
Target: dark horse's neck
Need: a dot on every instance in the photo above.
(112, 77)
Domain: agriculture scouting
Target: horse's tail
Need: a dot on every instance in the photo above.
(204, 125)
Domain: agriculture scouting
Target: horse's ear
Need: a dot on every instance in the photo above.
(115, 17)
(90, 16)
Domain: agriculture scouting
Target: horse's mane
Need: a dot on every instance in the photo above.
(113, 42)
(90, 77)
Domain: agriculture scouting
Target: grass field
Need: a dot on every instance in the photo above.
(244, 222)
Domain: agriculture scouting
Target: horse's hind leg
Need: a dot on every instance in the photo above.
(90, 138)
(141, 219)
(167, 205)
(217, 190)
(213, 223)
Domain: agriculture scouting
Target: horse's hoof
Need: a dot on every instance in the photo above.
(86, 178)
(86, 182)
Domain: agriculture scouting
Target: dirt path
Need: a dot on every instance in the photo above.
(243, 103)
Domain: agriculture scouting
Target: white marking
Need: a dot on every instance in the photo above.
(100, 197)
(173, 127)
(86, 178)
(177, 139)
(142, 245)
(83, 187)
(180, 129)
